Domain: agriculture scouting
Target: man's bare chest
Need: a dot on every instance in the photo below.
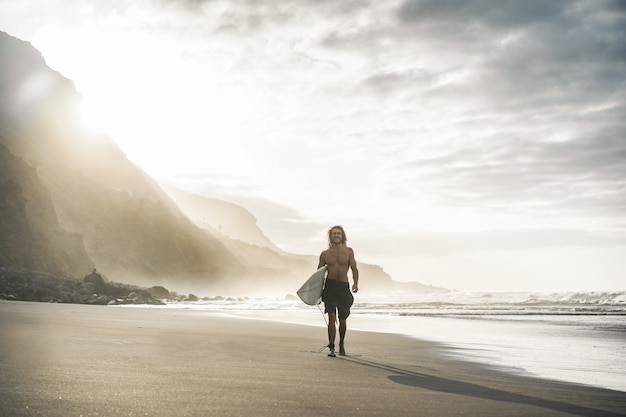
(337, 257)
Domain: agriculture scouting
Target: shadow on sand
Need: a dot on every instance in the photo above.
(435, 383)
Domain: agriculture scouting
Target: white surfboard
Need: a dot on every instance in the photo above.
(311, 291)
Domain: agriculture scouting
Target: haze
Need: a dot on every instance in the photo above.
(471, 145)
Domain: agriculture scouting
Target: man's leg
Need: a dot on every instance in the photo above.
(332, 330)
(343, 326)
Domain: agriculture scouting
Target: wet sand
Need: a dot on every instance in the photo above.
(78, 360)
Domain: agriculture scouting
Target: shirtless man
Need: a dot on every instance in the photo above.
(337, 298)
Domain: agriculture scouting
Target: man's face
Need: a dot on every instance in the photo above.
(336, 236)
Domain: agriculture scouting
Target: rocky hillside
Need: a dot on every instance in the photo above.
(31, 237)
(72, 200)
(222, 218)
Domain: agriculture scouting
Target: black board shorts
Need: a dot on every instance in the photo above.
(337, 298)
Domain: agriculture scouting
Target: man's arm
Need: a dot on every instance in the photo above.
(322, 262)
(355, 272)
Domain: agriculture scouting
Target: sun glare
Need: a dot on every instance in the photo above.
(148, 96)
(93, 116)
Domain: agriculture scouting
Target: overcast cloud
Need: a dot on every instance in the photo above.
(433, 130)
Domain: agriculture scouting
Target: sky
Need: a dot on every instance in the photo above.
(468, 144)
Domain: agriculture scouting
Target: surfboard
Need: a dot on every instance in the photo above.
(311, 291)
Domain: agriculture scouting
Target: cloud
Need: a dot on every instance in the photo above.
(516, 106)
(516, 48)
(443, 244)
(505, 14)
(510, 106)
(585, 175)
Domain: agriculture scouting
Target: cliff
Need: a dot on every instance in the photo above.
(72, 200)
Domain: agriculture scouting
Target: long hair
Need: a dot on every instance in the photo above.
(344, 238)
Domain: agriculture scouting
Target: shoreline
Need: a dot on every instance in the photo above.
(534, 346)
(67, 359)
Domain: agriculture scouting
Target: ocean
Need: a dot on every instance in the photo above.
(577, 337)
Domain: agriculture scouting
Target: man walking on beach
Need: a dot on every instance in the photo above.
(337, 298)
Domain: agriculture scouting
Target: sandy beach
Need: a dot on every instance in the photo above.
(79, 360)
